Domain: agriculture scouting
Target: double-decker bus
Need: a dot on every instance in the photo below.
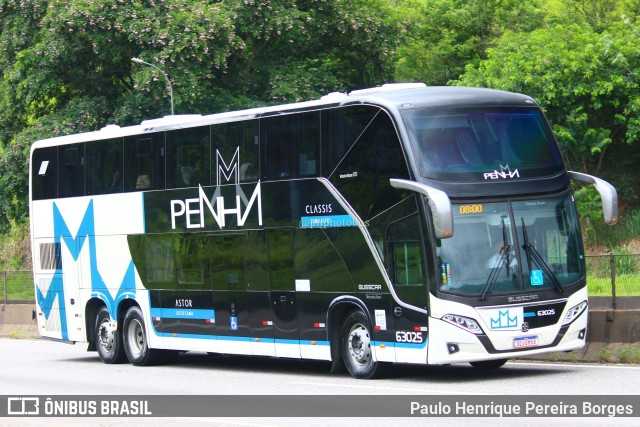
(399, 224)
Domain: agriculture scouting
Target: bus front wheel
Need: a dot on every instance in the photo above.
(134, 336)
(356, 347)
(108, 339)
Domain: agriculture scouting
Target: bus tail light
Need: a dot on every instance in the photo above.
(574, 312)
(466, 323)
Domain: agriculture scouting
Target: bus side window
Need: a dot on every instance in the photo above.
(104, 166)
(144, 163)
(290, 146)
(341, 128)
(234, 152)
(403, 238)
(187, 157)
(71, 171)
(44, 173)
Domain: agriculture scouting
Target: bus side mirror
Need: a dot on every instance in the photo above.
(608, 194)
(438, 202)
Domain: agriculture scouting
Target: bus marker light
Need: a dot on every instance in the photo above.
(267, 323)
(377, 328)
(313, 343)
(318, 325)
(257, 339)
(383, 346)
(175, 335)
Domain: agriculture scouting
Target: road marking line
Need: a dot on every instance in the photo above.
(573, 365)
(401, 389)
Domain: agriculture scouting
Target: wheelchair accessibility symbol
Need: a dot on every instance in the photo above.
(234, 323)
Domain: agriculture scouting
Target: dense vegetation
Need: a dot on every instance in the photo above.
(66, 67)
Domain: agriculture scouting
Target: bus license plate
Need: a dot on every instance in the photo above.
(521, 342)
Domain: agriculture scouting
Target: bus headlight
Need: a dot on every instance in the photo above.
(574, 312)
(465, 323)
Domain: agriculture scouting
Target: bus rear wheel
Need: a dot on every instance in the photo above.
(134, 336)
(489, 364)
(356, 347)
(108, 339)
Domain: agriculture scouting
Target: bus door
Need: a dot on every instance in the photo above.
(405, 254)
(229, 295)
(283, 294)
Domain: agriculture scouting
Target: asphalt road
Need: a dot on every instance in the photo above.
(38, 367)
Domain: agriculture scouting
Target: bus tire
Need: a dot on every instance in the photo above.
(489, 364)
(134, 337)
(108, 340)
(356, 347)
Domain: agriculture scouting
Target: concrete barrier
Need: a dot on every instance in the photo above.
(611, 326)
(18, 321)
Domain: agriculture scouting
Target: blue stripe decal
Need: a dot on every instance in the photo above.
(530, 314)
(232, 338)
(327, 221)
(183, 313)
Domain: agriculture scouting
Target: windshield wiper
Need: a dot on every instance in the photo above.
(532, 253)
(495, 271)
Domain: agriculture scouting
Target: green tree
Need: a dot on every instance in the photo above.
(447, 35)
(587, 82)
(66, 65)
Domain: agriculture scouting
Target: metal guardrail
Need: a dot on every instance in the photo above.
(613, 281)
(16, 287)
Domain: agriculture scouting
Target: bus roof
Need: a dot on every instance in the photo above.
(395, 96)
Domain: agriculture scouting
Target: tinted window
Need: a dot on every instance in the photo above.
(234, 152)
(104, 166)
(71, 170)
(405, 252)
(44, 173)
(290, 146)
(363, 175)
(468, 145)
(144, 162)
(188, 157)
(341, 128)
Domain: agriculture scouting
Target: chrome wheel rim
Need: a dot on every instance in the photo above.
(359, 344)
(135, 338)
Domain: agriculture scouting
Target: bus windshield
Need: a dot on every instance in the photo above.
(476, 145)
(510, 247)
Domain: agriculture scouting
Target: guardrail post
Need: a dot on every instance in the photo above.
(6, 293)
(612, 263)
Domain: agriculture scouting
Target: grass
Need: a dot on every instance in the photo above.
(19, 286)
(627, 285)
